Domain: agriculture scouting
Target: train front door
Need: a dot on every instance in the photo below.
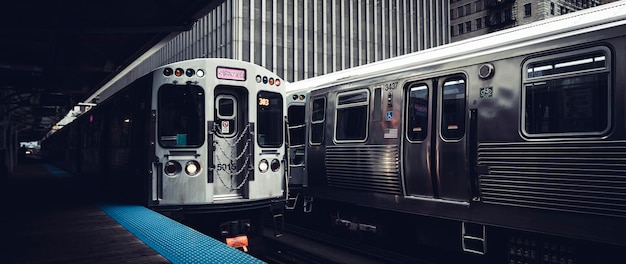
(434, 145)
(232, 143)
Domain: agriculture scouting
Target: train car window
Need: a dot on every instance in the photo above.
(417, 112)
(180, 115)
(567, 94)
(453, 108)
(352, 116)
(317, 121)
(295, 115)
(270, 119)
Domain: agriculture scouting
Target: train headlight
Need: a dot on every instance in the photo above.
(192, 168)
(172, 168)
(263, 165)
(275, 165)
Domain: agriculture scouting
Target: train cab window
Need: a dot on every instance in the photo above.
(417, 112)
(567, 94)
(352, 116)
(180, 115)
(317, 121)
(270, 119)
(226, 115)
(453, 108)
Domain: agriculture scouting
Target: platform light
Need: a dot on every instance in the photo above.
(178, 72)
(200, 73)
(263, 166)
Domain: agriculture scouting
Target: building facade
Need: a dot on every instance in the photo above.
(471, 18)
(300, 39)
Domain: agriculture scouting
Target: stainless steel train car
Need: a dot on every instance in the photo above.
(202, 137)
(508, 147)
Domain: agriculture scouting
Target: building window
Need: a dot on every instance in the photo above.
(527, 10)
(568, 94)
(551, 8)
(479, 23)
(460, 11)
(460, 28)
(468, 26)
(508, 15)
(479, 5)
(451, 13)
(468, 9)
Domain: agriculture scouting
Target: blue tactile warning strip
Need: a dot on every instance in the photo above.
(55, 171)
(174, 241)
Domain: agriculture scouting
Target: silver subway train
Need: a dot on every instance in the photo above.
(508, 147)
(202, 138)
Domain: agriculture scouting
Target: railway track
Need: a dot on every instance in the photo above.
(298, 245)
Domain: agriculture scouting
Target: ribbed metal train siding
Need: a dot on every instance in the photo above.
(366, 168)
(582, 177)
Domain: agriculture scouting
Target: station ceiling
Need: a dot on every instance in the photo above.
(55, 54)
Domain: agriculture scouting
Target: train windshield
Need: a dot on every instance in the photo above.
(180, 113)
(270, 119)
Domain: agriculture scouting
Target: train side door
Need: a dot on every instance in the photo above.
(434, 147)
(232, 142)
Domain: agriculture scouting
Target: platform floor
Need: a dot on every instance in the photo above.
(48, 217)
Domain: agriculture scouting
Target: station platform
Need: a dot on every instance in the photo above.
(48, 216)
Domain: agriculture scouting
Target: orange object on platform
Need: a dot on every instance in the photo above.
(238, 242)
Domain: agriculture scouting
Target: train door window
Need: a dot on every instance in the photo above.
(453, 108)
(180, 115)
(225, 109)
(270, 119)
(567, 94)
(318, 116)
(295, 117)
(417, 112)
(352, 116)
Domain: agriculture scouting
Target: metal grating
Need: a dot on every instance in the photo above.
(583, 177)
(373, 168)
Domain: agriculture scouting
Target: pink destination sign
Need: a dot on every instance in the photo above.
(231, 74)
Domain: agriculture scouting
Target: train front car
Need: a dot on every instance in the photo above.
(218, 143)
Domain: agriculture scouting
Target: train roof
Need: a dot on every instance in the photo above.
(603, 16)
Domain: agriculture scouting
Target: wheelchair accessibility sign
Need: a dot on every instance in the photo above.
(389, 116)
